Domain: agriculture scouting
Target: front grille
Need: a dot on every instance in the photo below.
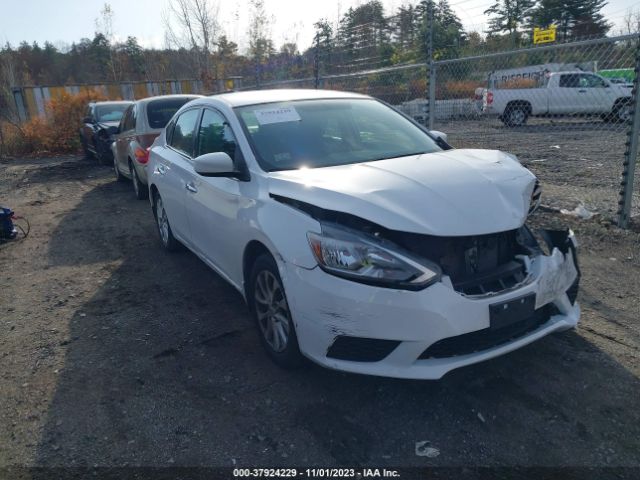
(486, 338)
(357, 349)
(477, 264)
(502, 278)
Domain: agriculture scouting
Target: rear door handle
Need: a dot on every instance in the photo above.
(582, 91)
(191, 187)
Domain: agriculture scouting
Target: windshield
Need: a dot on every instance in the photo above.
(110, 113)
(322, 133)
(159, 112)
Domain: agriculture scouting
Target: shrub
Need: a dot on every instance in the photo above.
(57, 132)
(459, 89)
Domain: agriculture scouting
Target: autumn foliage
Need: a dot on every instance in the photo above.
(56, 132)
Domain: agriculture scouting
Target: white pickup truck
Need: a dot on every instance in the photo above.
(574, 93)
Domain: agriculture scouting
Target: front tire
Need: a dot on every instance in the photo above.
(270, 310)
(139, 189)
(102, 150)
(167, 239)
(87, 153)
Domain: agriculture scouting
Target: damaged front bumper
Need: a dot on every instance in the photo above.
(424, 334)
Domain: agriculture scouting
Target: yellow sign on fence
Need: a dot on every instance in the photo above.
(544, 36)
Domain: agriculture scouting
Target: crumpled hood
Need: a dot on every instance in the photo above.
(448, 193)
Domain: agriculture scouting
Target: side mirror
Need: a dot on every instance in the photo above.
(439, 135)
(87, 120)
(216, 164)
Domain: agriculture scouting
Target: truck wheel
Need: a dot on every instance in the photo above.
(621, 112)
(515, 116)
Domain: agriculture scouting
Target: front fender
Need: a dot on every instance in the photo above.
(283, 229)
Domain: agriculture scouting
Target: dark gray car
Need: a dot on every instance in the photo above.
(99, 124)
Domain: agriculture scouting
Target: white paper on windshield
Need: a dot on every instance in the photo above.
(265, 116)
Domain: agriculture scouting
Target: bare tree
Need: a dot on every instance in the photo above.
(104, 25)
(631, 22)
(193, 25)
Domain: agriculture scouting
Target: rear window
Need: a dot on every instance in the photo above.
(110, 112)
(159, 112)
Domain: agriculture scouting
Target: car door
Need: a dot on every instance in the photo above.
(595, 96)
(174, 170)
(214, 203)
(564, 98)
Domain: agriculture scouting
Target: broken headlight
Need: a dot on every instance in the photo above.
(367, 259)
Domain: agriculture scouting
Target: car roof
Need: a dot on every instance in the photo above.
(254, 97)
(564, 72)
(168, 97)
(112, 102)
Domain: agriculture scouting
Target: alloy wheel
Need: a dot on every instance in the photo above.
(163, 221)
(272, 310)
(624, 113)
(516, 117)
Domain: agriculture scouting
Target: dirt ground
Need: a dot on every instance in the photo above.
(114, 352)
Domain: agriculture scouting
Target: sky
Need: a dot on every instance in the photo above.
(62, 22)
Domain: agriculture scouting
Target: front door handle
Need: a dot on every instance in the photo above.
(582, 91)
(191, 187)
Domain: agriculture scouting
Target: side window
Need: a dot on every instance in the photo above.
(570, 81)
(169, 132)
(184, 132)
(591, 81)
(126, 122)
(134, 113)
(215, 135)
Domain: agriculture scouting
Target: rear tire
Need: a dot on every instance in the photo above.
(621, 112)
(515, 115)
(167, 239)
(139, 189)
(268, 303)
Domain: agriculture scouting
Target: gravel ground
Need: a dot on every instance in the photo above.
(116, 353)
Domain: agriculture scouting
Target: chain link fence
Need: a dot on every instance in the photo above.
(566, 110)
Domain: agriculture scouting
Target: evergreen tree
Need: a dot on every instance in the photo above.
(574, 18)
(448, 32)
(508, 16)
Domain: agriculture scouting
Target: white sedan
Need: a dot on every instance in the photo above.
(358, 239)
